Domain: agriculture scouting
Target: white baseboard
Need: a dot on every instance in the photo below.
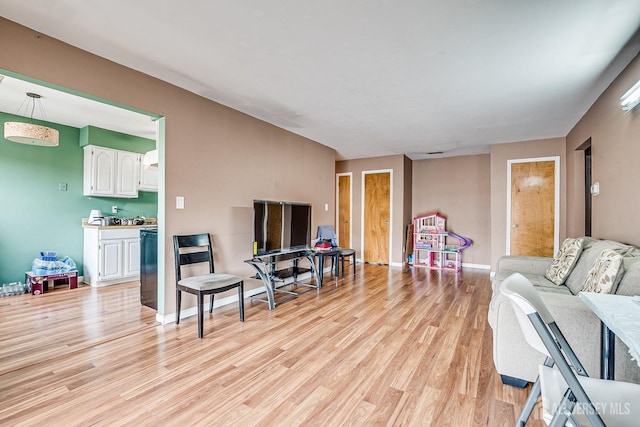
(478, 266)
(217, 302)
(232, 299)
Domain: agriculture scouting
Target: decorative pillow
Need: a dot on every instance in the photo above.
(564, 261)
(605, 273)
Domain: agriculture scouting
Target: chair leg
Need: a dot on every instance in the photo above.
(178, 300)
(527, 409)
(353, 261)
(211, 304)
(342, 257)
(200, 314)
(241, 300)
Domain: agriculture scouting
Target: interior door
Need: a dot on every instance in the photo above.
(533, 210)
(377, 217)
(344, 210)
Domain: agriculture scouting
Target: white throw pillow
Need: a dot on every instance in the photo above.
(564, 261)
(605, 274)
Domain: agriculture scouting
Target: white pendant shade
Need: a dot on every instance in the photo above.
(29, 133)
(150, 158)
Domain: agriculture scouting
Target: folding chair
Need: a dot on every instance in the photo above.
(567, 399)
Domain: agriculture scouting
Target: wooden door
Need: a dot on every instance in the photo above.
(377, 217)
(533, 210)
(344, 211)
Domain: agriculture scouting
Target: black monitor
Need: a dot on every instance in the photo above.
(280, 226)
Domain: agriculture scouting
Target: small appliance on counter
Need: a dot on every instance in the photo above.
(95, 217)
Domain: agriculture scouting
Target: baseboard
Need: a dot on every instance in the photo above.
(217, 302)
(232, 299)
(478, 266)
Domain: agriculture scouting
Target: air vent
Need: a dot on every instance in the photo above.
(435, 152)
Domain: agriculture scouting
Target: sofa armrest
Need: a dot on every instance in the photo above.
(524, 264)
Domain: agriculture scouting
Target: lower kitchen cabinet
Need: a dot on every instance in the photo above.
(111, 255)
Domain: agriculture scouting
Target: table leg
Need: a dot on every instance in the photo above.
(608, 345)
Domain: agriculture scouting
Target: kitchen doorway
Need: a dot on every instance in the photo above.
(72, 113)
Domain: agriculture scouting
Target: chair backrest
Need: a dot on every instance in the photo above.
(187, 256)
(526, 301)
(326, 232)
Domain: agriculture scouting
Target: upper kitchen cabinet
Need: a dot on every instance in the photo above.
(148, 178)
(111, 173)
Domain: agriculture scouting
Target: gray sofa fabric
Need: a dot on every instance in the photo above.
(514, 358)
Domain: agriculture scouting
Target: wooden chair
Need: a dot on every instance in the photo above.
(205, 284)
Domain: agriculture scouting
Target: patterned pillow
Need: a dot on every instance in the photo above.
(564, 261)
(605, 274)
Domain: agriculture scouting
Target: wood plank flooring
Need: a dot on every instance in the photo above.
(383, 347)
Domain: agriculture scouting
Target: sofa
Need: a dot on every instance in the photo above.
(514, 359)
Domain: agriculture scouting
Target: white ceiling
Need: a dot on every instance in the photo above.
(71, 110)
(368, 78)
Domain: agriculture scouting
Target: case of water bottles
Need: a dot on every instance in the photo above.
(13, 288)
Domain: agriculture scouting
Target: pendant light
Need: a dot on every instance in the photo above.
(31, 133)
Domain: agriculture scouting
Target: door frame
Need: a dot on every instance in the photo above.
(350, 175)
(556, 201)
(373, 171)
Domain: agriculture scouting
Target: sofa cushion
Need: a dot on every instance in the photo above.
(630, 283)
(590, 253)
(605, 274)
(564, 261)
(538, 280)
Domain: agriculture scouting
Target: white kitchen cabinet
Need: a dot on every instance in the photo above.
(112, 173)
(128, 174)
(111, 265)
(131, 257)
(111, 255)
(148, 178)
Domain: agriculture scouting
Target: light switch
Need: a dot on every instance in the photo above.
(62, 186)
(326, 207)
(179, 202)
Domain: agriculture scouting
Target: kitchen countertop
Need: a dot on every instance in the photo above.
(149, 222)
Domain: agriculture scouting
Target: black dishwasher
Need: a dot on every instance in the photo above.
(149, 267)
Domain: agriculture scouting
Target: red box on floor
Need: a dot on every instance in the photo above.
(39, 284)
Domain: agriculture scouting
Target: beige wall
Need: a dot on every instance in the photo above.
(399, 218)
(460, 189)
(217, 158)
(500, 154)
(615, 144)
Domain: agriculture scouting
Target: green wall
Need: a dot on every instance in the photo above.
(35, 216)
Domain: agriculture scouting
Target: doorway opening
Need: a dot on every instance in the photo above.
(588, 197)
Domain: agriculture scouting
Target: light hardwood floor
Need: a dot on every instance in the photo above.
(383, 347)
